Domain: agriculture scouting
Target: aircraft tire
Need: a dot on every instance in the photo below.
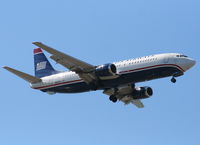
(113, 98)
(173, 80)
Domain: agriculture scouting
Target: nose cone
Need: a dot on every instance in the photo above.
(189, 63)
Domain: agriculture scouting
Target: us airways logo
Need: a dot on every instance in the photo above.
(41, 65)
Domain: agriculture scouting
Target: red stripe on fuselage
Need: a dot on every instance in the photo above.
(128, 71)
(64, 83)
(138, 69)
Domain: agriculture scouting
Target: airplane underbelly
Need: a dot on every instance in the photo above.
(140, 76)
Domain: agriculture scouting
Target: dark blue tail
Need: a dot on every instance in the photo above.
(42, 66)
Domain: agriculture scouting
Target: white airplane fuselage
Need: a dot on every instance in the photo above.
(128, 72)
(117, 79)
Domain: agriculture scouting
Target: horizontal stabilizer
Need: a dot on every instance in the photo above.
(26, 77)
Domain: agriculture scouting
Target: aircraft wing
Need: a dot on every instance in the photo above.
(80, 67)
(137, 103)
(124, 97)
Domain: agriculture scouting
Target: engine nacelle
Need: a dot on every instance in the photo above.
(142, 92)
(106, 71)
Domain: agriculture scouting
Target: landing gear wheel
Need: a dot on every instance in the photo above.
(173, 80)
(113, 98)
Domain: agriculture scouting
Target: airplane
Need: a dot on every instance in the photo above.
(117, 79)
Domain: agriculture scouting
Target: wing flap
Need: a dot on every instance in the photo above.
(64, 63)
(137, 103)
(26, 77)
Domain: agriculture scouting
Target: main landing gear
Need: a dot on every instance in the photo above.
(173, 80)
(113, 98)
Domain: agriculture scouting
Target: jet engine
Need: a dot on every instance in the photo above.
(142, 92)
(128, 93)
(106, 71)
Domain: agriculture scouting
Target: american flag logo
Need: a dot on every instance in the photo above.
(41, 65)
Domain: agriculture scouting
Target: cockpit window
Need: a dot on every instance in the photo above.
(184, 56)
(181, 55)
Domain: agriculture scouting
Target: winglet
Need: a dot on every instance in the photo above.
(36, 43)
(26, 77)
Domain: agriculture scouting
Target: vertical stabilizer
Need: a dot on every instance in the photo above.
(42, 65)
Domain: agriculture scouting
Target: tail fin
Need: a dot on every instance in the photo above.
(42, 65)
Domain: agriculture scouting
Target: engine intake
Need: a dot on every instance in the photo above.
(142, 93)
(106, 71)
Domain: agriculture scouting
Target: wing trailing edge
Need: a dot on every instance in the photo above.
(24, 76)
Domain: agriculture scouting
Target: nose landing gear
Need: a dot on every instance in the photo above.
(173, 80)
(177, 74)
